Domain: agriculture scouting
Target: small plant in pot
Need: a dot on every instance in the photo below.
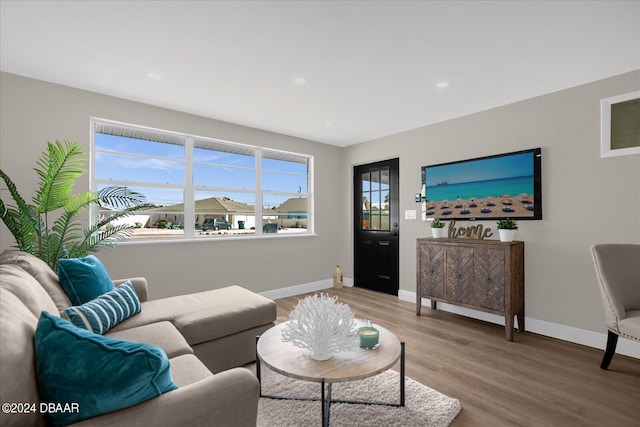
(437, 228)
(507, 228)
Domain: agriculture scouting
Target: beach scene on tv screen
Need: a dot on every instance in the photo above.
(490, 187)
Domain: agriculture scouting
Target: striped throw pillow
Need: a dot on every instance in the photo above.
(103, 313)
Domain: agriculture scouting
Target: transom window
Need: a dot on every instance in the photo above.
(202, 187)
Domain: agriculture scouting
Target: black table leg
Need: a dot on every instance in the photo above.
(258, 366)
(402, 373)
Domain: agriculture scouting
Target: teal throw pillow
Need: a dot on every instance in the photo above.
(103, 313)
(100, 374)
(83, 279)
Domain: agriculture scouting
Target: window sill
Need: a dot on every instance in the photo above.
(213, 239)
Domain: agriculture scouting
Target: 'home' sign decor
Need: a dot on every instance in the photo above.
(472, 232)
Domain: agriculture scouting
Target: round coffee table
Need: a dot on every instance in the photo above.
(291, 361)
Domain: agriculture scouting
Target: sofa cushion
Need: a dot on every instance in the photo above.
(209, 315)
(83, 279)
(39, 269)
(100, 374)
(139, 284)
(188, 369)
(160, 334)
(103, 313)
(221, 312)
(18, 381)
(27, 289)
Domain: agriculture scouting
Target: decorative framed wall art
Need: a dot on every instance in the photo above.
(620, 125)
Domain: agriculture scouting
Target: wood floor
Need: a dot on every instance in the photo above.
(534, 381)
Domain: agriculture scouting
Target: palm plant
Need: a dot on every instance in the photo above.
(50, 227)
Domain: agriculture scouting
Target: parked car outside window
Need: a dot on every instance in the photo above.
(215, 224)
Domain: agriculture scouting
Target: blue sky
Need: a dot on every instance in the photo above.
(481, 170)
(211, 168)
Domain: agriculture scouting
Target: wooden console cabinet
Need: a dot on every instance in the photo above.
(486, 275)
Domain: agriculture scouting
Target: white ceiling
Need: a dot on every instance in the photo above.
(371, 66)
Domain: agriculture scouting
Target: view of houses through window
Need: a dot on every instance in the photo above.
(199, 187)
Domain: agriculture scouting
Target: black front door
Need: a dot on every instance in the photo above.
(376, 217)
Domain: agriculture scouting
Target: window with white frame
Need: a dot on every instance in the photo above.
(202, 187)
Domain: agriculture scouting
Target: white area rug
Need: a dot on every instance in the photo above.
(423, 405)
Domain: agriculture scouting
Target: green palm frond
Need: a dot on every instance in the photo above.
(118, 197)
(108, 236)
(22, 220)
(103, 229)
(108, 219)
(59, 168)
(11, 218)
(65, 232)
(81, 201)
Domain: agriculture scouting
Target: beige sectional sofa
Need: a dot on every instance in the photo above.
(207, 336)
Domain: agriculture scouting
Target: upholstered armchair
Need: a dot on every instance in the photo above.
(618, 271)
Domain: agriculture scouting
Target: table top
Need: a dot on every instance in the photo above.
(291, 361)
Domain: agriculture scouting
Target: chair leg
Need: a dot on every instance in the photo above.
(612, 340)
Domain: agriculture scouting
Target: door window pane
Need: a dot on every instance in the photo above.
(375, 200)
(366, 182)
(375, 181)
(384, 199)
(375, 220)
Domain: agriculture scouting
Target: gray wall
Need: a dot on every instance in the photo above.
(32, 112)
(586, 199)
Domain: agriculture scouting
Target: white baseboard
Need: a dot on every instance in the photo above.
(304, 288)
(298, 289)
(554, 330)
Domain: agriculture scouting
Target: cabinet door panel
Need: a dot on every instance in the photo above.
(459, 275)
(489, 271)
(432, 271)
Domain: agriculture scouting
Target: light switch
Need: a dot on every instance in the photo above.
(410, 214)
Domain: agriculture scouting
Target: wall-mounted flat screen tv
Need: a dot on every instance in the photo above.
(501, 186)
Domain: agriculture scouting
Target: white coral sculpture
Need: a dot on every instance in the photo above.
(322, 325)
